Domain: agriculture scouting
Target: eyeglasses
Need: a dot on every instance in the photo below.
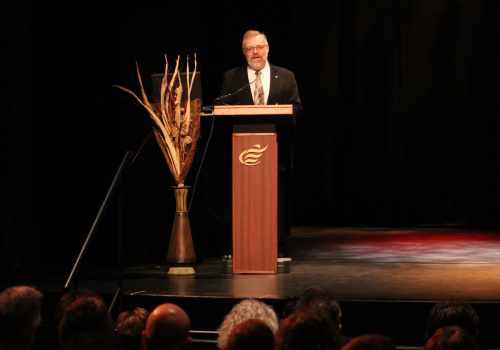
(252, 48)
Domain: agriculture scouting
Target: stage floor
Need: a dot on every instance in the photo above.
(371, 271)
(355, 263)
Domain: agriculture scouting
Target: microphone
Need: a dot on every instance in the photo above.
(223, 97)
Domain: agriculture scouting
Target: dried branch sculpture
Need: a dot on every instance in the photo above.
(177, 121)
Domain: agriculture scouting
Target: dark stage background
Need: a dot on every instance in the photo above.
(399, 128)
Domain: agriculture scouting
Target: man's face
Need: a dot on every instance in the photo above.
(256, 57)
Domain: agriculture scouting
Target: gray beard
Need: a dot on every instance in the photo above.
(257, 66)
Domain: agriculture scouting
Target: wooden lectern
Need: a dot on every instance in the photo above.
(255, 184)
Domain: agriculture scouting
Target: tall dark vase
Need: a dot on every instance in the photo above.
(181, 256)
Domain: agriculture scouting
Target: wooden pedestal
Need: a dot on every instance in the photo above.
(255, 206)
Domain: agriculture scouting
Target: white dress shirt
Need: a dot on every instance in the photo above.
(265, 74)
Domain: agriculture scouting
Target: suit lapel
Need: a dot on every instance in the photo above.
(273, 83)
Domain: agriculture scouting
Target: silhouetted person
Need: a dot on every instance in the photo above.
(20, 308)
(251, 334)
(451, 338)
(307, 330)
(245, 310)
(318, 298)
(452, 313)
(370, 342)
(129, 326)
(86, 324)
(70, 296)
(167, 328)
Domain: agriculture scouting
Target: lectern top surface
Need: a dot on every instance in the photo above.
(253, 110)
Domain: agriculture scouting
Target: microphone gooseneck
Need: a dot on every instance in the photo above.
(223, 97)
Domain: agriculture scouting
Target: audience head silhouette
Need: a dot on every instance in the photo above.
(370, 342)
(86, 323)
(451, 338)
(167, 328)
(70, 296)
(320, 299)
(307, 330)
(129, 326)
(20, 316)
(249, 335)
(452, 313)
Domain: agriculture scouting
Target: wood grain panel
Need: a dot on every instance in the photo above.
(255, 212)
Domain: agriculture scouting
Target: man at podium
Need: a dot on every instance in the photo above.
(260, 82)
(278, 84)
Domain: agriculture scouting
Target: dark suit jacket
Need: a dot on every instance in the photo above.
(282, 90)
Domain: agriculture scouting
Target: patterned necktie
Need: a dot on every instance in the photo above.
(258, 94)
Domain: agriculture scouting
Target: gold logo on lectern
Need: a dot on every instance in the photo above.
(251, 156)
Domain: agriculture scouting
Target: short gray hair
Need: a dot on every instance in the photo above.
(252, 33)
(245, 310)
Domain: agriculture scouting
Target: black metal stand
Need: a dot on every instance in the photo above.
(116, 181)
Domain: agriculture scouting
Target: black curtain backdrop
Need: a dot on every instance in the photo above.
(399, 127)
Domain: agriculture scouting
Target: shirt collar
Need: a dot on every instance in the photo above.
(265, 71)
